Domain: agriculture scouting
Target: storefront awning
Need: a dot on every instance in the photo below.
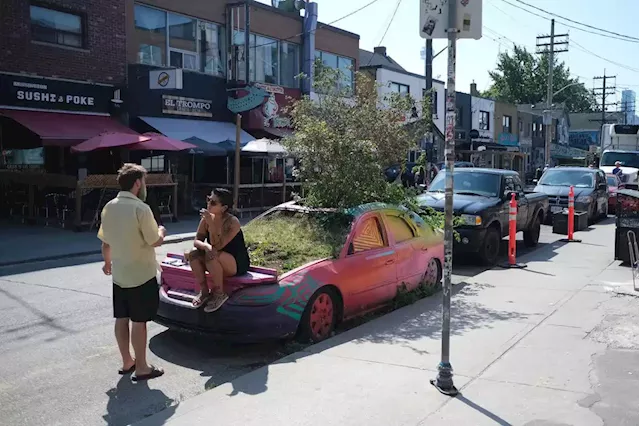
(210, 131)
(62, 129)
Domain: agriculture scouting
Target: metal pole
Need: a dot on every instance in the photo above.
(547, 145)
(428, 74)
(236, 170)
(604, 97)
(444, 380)
(247, 42)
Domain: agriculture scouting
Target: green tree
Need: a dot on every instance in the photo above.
(345, 138)
(521, 78)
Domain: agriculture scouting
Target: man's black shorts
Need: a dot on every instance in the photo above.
(140, 304)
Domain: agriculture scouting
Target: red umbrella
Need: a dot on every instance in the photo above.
(109, 140)
(158, 142)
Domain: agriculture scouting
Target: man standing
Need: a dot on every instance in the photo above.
(617, 170)
(129, 235)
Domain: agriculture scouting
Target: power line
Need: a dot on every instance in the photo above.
(576, 22)
(569, 25)
(320, 25)
(579, 46)
(387, 29)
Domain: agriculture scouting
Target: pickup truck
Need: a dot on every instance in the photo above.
(481, 199)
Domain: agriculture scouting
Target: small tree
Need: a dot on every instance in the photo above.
(347, 137)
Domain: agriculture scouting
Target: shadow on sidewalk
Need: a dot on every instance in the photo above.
(220, 362)
(497, 419)
(131, 402)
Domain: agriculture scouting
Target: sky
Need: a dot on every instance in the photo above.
(503, 25)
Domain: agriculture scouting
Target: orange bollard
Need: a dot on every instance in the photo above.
(570, 218)
(513, 217)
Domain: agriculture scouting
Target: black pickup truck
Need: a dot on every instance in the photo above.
(481, 199)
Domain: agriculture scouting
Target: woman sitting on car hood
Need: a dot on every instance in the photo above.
(219, 248)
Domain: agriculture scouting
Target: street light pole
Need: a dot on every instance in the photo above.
(444, 380)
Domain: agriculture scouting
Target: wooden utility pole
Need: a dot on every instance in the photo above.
(603, 92)
(548, 45)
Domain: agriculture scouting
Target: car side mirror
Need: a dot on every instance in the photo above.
(350, 250)
(507, 195)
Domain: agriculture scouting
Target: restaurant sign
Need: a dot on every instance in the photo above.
(180, 105)
(52, 94)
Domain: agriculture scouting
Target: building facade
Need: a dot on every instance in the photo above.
(483, 113)
(506, 130)
(628, 106)
(586, 128)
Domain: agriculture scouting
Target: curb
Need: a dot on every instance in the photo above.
(169, 240)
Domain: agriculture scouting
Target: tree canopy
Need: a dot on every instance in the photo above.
(345, 139)
(521, 78)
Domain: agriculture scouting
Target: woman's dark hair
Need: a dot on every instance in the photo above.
(225, 196)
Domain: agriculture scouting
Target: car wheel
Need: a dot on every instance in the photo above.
(320, 316)
(490, 249)
(433, 275)
(532, 235)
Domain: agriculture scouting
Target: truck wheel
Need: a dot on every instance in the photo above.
(532, 235)
(490, 249)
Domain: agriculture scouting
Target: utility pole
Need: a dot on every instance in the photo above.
(550, 44)
(444, 380)
(603, 92)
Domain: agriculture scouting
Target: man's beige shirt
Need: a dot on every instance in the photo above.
(128, 226)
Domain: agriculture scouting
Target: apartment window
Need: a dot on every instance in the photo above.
(401, 89)
(289, 64)
(519, 125)
(506, 123)
(343, 64)
(57, 27)
(169, 39)
(266, 60)
(434, 103)
(154, 164)
(484, 120)
(458, 116)
(211, 46)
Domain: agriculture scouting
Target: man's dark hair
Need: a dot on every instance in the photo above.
(128, 174)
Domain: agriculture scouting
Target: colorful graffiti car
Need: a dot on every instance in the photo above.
(383, 248)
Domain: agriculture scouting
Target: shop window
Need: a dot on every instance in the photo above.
(401, 89)
(458, 116)
(289, 64)
(182, 42)
(266, 60)
(368, 236)
(57, 27)
(238, 44)
(399, 228)
(186, 60)
(154, 164)
(151, 35)
(211, 47)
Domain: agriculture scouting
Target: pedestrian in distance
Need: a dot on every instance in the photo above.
(617, 170)
(129, 235)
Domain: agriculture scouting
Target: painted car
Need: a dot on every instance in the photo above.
(614, 183)
(384, 247)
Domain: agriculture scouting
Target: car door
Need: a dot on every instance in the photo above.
(367, 269)
(602, 191)
(523, 205)
(521, 220)
(402, 238)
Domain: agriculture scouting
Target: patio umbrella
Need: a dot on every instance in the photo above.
(158, 142)
(109, 140)
(264, 146)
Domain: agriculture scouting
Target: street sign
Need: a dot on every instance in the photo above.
(434, 18)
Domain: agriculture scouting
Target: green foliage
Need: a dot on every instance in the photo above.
(346, 138)
(285, 242)
(521, 78)
(404, 297)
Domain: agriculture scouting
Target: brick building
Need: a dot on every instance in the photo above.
(73, 39)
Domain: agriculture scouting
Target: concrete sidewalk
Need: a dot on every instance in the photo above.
(553, 344)
(24, 243)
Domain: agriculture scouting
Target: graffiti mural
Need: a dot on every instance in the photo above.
(584, 139)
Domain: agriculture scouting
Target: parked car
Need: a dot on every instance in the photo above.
(481, 198)
(457, 164)
(589, 188)
(614, 183)
(383, 247)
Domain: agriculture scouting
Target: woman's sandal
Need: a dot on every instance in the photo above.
(129, 370)
(201, 299)
(155, 372)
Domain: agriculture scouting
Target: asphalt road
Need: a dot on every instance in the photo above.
(59, 361)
